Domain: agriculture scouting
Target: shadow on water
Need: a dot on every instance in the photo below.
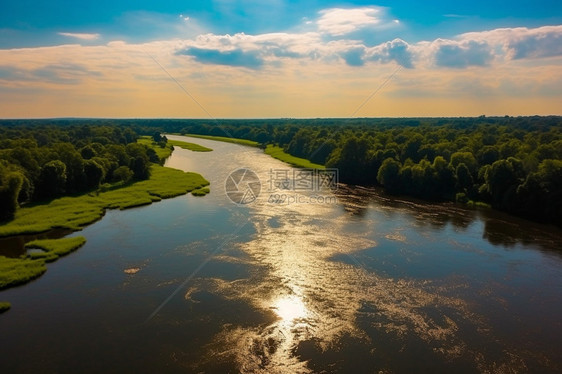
(500, 229)
(14, 246)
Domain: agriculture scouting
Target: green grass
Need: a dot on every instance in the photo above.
(273, 151)
(478, 204)
(55, 248)
(4, 306)
(74, 212)
(278, 153)
(190, 146)
(250, 143)
(77, 211)
(162, 153)
(16, 271)
(201, 191)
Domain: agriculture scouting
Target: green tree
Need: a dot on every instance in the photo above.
(502, 183)
(444, 179)
(94, 174)
(352, 159)
(389, 175)
(10, 185)
(541, 194)
(123, 173)
(465, 182)
(52, 179)
(412, 147)
(466, 158)
(88, 152)
(488, 155)
(140, 168)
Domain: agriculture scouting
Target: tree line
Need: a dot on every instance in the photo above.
(41, 161)
(511, 163)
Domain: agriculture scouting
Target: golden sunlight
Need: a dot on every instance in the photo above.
(290, 308)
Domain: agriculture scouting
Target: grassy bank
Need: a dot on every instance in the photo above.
(4, 307)
(54, 248)
(201, 191)
(16, 271)
(278, 153)
(77, 211)
(74, 212)
(250, 143)
(162, 152)
(273, 151)
(190, 146)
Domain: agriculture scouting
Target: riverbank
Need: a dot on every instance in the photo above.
(74, 212)
(189, 146)
(250, 143)
(18, 271)
(271, 150)
(278, 153)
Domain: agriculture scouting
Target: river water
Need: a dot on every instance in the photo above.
(300, 280)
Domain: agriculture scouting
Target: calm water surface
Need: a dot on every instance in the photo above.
(358, 283)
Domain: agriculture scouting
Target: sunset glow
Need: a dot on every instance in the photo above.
(286, 59)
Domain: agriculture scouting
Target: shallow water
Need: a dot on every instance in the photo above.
(358, 282)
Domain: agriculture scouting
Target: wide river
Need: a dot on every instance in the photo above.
(305, 278)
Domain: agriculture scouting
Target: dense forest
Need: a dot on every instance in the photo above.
(511, 163)
(41, 161)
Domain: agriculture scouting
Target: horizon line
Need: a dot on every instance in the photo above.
(269, 118)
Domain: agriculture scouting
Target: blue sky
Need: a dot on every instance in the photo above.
(279, 58)
(35, 23)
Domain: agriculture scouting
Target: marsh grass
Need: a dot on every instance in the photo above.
(55, 248)
(278, 153)
(77, 211)
(4, 306)
(201, 191)
(478, 204)
(250, 143)
(16, 271)
(74, 212)
(190, 146)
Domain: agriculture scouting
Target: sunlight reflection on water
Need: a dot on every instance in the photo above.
(326, 297)
(370, 283)
(290, 309)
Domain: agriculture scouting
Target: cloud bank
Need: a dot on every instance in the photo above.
(324, 67)
(81, 36)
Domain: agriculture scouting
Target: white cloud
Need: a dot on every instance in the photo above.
(461, 54)
(338, 21)
(81, 36)
(488, 48)
(481, 49)
(298, 68)
(397, 50)
(522, 42)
